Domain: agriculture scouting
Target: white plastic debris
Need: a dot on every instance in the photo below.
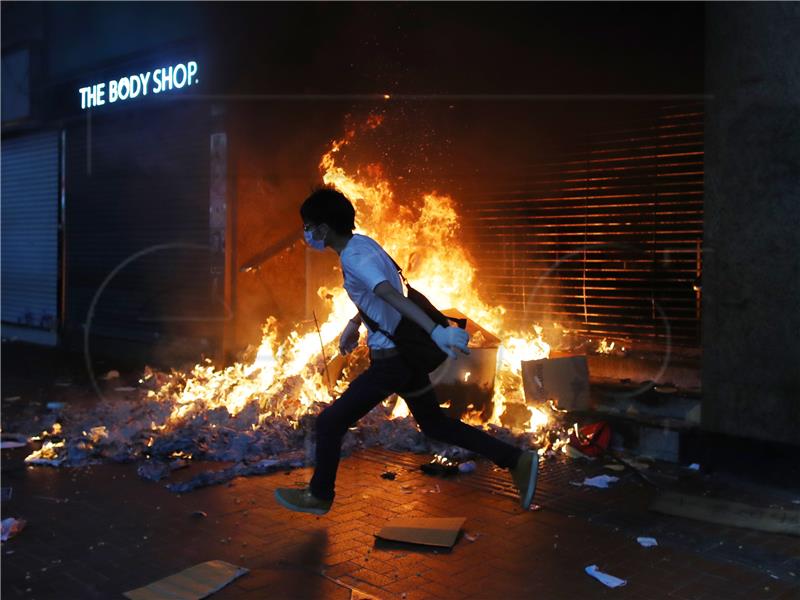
(600, 481)
(694, 467)
(112, 374)
(647, 542)
(604, 578)
(11, 527)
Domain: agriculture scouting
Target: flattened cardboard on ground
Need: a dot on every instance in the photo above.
(425, 531)
(194, 583)
(724, 512)
(564, 380)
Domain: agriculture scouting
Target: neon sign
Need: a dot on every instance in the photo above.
(160, 80)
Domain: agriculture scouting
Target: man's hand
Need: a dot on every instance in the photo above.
(348, 340)
(448, 338)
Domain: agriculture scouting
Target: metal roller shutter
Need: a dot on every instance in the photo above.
(30, 237)
(137, 223)
(606, 240)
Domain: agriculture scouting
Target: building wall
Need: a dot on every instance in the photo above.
(751, 271)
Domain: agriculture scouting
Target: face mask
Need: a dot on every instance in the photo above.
(315, 244)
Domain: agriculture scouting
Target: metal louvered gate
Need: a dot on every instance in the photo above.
(30, 171)
(605, 241)
(137, 225)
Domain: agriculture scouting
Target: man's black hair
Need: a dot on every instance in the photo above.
(330, 206)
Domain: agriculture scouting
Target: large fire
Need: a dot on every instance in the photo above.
(423, 237)
(283, 380)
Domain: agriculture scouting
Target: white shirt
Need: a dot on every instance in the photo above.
(364, 265)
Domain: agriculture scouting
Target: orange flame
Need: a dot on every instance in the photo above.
(423, 237)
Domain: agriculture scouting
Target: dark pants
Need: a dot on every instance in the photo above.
(383, 378)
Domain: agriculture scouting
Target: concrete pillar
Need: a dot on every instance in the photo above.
(751, 270)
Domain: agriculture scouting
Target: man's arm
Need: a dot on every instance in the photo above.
(404, 306)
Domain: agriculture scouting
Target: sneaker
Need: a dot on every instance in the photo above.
(524, 475)
(302, 500)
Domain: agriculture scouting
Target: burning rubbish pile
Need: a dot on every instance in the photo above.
(258, 413)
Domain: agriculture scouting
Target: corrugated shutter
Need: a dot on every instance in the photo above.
(30, 234)
(606, 240)
(136, 179)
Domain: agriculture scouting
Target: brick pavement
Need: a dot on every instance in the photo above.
(98, 531)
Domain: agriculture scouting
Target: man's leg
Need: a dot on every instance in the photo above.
(423, 404)
(380, 380)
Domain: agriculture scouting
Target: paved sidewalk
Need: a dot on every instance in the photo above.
(99, 531)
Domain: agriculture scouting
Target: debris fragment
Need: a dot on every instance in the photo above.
(600, 481)
(441, 466)
(199, 514)
(467, 467)
(391, 475)
(604, 578)
(694, 467)
(47, 455)
(589, 441)
(471, 538)
(225, 475)
(647, 542)
(11, 398)
(428, 531)
(153, 470)
(614, 467)
(13, 440)
(203, 580)
(11, 527)
(112, 374)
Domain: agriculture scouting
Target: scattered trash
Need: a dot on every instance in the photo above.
(153, 470)
(694, 467)
(467, 467)
(589, 441)
(198, 581)
(407, 489)
(614, 467)
(125, 388)
(441, 466)
(225, 475)
(13, 440)
(425, 531)
(54, 405)
(391, 475)
(434, 490)
(199, 514)
(535, 507)
(5, 494)
(47, 455)
(600, 481)
(470, 537)
(604, 578)
(11, 398)
(11, 527)
(113, 374)
(647, 542)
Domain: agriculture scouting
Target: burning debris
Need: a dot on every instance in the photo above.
(258, 413)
